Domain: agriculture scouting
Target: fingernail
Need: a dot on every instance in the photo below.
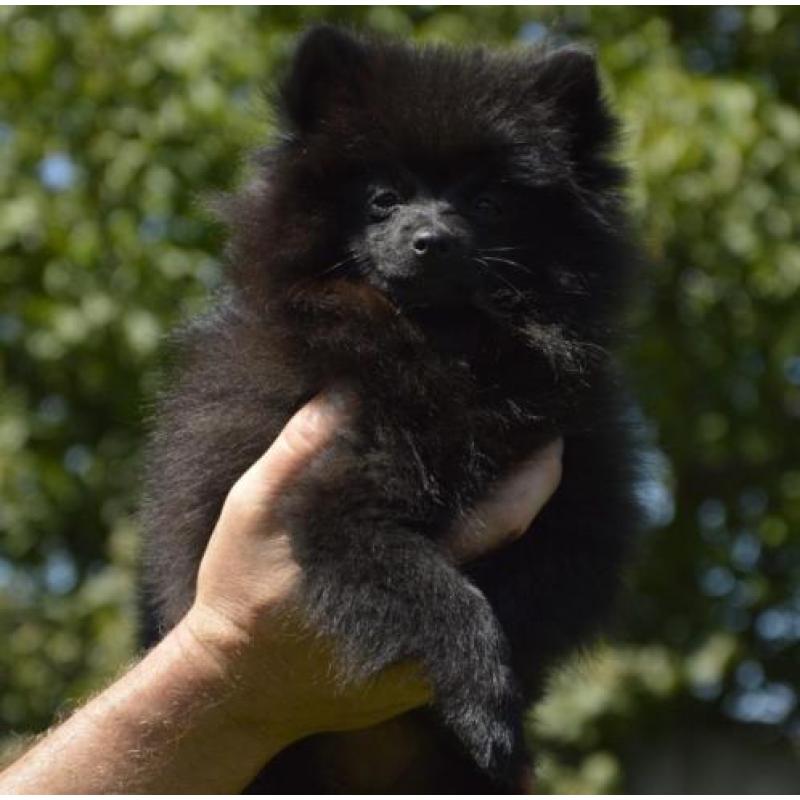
(341, 399)
(550, 452)
(554, 450)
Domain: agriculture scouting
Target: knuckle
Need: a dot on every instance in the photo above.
(243, 500)
(305, 432)
(238, 499)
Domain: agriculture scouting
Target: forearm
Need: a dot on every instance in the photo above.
(164, 727)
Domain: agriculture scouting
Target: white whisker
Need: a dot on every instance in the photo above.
(508, 261)
(338, 265)
(482, 263)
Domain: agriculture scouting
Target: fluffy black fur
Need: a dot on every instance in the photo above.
(442, 230)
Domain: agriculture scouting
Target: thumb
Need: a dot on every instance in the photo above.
(306, 434)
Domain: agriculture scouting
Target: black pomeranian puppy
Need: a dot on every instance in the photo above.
(443, 231)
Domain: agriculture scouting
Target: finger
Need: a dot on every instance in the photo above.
(306, 435)
(510, 507)
(393, 692)
(408, 683)
(399, 688)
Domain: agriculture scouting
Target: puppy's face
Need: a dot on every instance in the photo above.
(429, 240)
(435, 178)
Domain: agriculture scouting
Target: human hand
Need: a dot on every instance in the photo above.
(246, 616)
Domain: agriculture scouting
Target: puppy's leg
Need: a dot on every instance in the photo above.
(387, 594)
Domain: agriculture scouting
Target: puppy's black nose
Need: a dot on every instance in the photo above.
(430, 242)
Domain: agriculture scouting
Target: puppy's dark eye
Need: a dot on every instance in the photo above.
(487, 206)
(383, 201)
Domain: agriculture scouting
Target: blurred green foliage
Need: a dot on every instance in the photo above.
(115, 122)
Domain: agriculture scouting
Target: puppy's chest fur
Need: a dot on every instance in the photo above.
(438, 416)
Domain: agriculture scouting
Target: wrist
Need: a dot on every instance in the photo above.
(214, 644)
(238, 667)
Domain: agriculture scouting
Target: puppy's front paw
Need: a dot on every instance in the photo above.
(487, 720)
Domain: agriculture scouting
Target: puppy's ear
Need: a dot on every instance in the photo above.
(568, 79)
(328, 67)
